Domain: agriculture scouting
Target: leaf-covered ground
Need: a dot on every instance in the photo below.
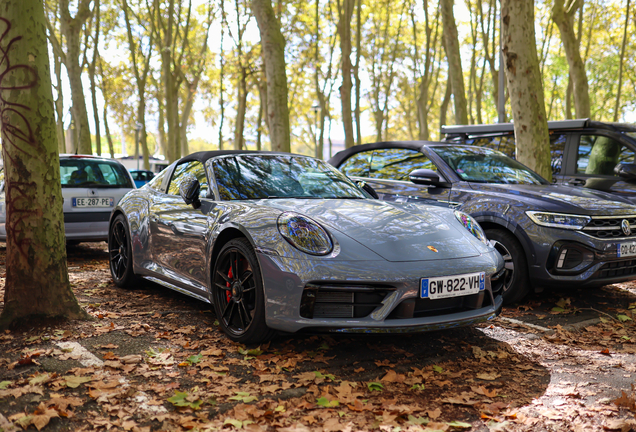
(155, 360)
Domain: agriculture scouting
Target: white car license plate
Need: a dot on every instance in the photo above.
(452, 286)
(93, 202)
(626, 249)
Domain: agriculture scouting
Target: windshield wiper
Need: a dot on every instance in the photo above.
(294, 197)
(346, 197)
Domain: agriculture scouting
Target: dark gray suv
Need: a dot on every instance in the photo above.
(549, 235)
(585, 153)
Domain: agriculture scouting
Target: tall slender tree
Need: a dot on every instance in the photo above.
(455, 72)
(37, 281)
(523, 77)
(345, 13)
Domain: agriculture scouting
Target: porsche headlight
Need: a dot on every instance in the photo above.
(471, 225)
(558, 220)
(304, 234)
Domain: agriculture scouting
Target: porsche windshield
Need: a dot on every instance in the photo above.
(484, 165)
(280, 176)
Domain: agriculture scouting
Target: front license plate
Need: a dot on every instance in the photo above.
(93, 202)
(626, 249)
(453, 286)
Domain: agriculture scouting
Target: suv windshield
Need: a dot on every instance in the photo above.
(278, 176)
(94, 173)
(484, 165)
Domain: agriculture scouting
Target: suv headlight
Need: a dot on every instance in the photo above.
(471, 225)
(558, 220)
(304, 234)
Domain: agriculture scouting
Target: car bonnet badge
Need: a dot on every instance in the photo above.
(627, 230)
(432, 248)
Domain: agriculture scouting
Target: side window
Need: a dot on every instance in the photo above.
(557, 145)
(156, 182)
(396, 164)
(358, 164)
(598, 155)
(195, 168)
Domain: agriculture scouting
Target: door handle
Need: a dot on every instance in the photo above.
(576, 182)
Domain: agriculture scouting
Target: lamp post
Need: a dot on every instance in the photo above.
(137, 130)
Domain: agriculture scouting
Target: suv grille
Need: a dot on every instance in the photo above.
(620, 268)
(610, 228)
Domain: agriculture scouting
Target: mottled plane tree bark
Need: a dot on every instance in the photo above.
(523, 77)
(455, 72)
(563, 12)
(273, 46)
(37, 283)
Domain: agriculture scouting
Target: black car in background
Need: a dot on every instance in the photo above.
(549, 235)
(585, 153)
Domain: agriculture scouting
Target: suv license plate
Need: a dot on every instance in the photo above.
(452, 286)
(626, 249)
(93, 202)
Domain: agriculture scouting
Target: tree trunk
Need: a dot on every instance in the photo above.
(356, 74)
(617, 105)
(37, 283)
(443, 109)
(563, 16)
(109, 138)
(345, 12)
(222, 76)
(451, 45)
(239, 127)
(91, 75)
(71, 29)
(523, 77)
(273, 46)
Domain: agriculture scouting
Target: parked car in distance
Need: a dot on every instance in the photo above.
(141, 177)
(91, 187)
(282, 242)
(585, 153)
(549, 235)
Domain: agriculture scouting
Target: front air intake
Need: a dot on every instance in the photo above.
(341, 300)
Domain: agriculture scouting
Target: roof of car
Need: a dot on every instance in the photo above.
(552, 125)
(203, 156)
(337, 159)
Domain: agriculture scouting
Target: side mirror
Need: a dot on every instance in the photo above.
(425, 177)
(626, 171)
(367, 188)
(189, 189)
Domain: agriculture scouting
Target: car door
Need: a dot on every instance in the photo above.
(594, 157)
(179, 231)
(387, 171)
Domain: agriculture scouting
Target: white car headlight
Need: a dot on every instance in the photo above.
(471, 225)
(558, 220)
(304, 234)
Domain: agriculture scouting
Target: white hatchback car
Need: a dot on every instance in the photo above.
(91, 188)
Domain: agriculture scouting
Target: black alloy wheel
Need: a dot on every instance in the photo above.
(516, 284)
(120, 253)
(237, 293)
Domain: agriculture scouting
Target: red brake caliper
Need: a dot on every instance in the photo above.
(228, 294)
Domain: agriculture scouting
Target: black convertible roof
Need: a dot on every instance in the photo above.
(202, 156)
(337, 159)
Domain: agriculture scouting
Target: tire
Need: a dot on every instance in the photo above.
(239, 302)
(120, 253)
(516, 280)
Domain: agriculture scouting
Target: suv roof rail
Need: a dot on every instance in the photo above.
(509, 127)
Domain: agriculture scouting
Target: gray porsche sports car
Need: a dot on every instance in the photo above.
(282, 242)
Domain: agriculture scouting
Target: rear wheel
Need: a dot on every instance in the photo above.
(120, 253)
(516, 283)
(237, 291)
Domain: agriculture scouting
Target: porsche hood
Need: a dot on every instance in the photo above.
(396, 232)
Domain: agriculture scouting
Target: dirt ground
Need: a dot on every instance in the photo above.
(154, 359)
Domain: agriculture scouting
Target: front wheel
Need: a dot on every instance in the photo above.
(516, 281)
(120, 253)
(237, 291)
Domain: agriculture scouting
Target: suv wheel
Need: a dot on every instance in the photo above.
(516, 282)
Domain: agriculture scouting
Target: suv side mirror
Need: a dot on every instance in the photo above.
(626, 171)
(425, 177)
(189, 189)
